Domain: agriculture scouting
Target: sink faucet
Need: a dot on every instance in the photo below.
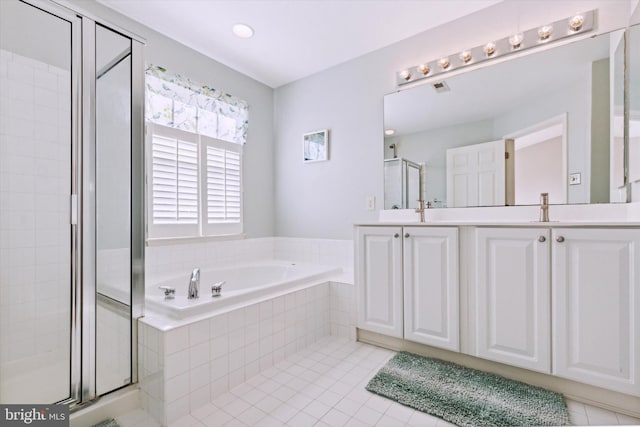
(194, 284)
(420, 209)
(544, 207)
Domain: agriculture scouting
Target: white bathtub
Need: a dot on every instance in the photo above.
(243, 283)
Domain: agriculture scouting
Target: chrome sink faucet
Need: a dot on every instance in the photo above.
(194, 284)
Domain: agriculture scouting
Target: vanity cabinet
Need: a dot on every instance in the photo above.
(407, 283)
(379, 279)
(596, 307)
(430, 265)
(564, 301)
(513, 305)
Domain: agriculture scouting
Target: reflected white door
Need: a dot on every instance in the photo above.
(476, 175)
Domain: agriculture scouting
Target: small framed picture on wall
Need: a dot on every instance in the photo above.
(316, 146)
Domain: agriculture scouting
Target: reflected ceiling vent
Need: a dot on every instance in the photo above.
(441, 87)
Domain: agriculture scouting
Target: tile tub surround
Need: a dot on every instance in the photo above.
(185, 367)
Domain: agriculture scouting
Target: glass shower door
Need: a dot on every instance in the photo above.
(36, 240)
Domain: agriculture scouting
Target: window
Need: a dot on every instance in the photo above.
(195, 161)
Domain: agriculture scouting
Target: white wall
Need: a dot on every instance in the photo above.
(177, 58)
(325, 199)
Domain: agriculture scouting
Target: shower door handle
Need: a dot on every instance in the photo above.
(73, 208)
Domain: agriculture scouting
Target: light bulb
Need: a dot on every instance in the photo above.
(465, 56)
(576, 22)
(389, 132)
(424, 69)
(444, 63)
(516, 40)
(405, 74)
(545, 32)
(490, 48)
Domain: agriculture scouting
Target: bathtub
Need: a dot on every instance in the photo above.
(244, 284)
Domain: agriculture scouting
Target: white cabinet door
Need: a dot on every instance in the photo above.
(379, 279)
(596, 307)
(431, 286)
(512, 297)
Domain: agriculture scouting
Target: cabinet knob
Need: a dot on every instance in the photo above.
(396, 235)
(542, 239)
(559, 239)
(406, 234)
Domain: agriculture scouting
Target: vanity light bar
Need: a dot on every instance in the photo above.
(564, 28)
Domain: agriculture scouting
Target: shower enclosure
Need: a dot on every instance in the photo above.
(71, 192)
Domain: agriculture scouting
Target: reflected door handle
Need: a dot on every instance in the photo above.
(406, 234)
(559, 239)
(542, 239)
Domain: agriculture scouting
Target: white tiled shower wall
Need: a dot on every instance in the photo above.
(184, 368)
(34, 212)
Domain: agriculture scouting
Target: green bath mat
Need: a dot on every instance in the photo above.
(107, 423)
(464, 396)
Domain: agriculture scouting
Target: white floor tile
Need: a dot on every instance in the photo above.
(217, 419)
(302, 419)
(325, 386)
(335, 418)
(317, 409)
(284, 412)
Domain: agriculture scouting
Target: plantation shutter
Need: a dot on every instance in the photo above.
(223, 186)
(174, 182)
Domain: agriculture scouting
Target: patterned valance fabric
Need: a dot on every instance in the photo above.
(176, 101)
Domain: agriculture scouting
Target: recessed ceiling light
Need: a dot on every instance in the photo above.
(389, 132)
(243, 31)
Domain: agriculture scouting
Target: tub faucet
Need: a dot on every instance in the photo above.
(194, 284)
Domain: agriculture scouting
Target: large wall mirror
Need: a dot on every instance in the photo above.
(551, 121)
(634, 107)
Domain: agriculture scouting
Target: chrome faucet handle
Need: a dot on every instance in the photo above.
(216, 289)
(169, 292)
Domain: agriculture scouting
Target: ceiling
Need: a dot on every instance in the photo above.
(293, 38)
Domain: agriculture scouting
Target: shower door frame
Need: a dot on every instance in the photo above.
(82, 379)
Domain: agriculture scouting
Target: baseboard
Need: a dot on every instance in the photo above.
(109, 406)
(591, 395)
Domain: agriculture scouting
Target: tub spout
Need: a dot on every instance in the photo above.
(194, 284)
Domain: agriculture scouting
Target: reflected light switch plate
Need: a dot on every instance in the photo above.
(574, 179)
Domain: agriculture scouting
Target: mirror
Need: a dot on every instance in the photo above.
(634, 107)
(503, 134)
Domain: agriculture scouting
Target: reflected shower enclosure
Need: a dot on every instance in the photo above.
(402, 184)
(71, 94)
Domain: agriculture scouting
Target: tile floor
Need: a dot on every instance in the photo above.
(324, 386)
